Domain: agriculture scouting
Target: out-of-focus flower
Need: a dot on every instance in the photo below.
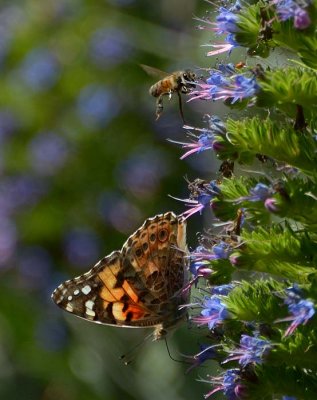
(230, 384)
(8, 241)
(82, 247)
(109, 47)
(121, 3)
(48, 153)
(17, 192)
(97, 106)
(287, 9)
(35, 266)
(8, 123)
(214, 312)
(251, 350)
(40, 69)
(117, 211)
(51, 335)
(142, 172)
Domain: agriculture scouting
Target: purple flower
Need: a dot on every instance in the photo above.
(222, 290)
(251, 350)
(214, 312)
(216, 125)
(48, 153)
(199, 143)
(206, 353)
(302, 310)
(289, 398)
(40, 69)
(301, 314)
(287, 9)
(219, 86)
(228, 46)
(82, 247)
(97, 106)
(230, 384)
(200, 199)
(271, 205)
(226, 21)
(301, 19)
(109, 47)
(260, 192)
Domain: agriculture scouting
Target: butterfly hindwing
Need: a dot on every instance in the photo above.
(141, 285)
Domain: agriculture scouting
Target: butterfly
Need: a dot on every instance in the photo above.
(141, 285)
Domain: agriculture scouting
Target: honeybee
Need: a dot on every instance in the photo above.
(175, 82)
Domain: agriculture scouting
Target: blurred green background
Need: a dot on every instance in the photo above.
(82, 164)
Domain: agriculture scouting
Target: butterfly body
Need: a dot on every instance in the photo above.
(142, 285)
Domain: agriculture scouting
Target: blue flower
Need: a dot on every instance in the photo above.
(230, 383)
(214, 312)
(199, 143)
(222, 290)
(302, 310)
(226, 21)
(251, 350)
(206, 353)
(200, 198)
(220, 86)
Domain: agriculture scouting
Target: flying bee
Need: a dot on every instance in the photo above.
(175, 82)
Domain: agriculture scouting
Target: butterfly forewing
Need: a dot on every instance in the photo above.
(141, 285)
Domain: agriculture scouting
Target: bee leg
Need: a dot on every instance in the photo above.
(159, 107)
(181, 107)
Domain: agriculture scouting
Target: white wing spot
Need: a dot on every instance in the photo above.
(86, 289)
(90, 313)
(76, 292)
(69, 308)
(89, 305)
(70, 298)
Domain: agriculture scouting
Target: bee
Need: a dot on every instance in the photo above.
(175, 82)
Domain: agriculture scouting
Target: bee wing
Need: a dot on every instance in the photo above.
(154, 72)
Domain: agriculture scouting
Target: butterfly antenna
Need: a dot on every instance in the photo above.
(172, 358)
(130, 356)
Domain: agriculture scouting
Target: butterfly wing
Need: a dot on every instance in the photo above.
(141, 285)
